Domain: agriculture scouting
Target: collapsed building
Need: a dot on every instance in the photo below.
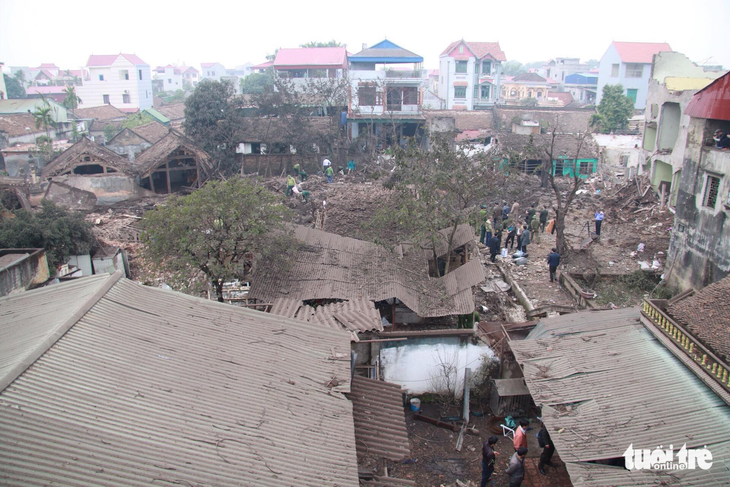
(98, 175)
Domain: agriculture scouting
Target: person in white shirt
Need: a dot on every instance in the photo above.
(599, 221)
(325, 164)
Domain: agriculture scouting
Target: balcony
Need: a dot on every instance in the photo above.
(707, 366)
(407, 74)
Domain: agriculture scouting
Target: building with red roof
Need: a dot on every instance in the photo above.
(121, 80)
(311, 62)
(629, 64)
(470, 75)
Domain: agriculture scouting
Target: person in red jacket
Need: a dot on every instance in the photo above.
(521, 434)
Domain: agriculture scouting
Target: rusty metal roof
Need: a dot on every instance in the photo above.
(152, 386)
(356, 316)
(380, 422)
(605, 381)
(330, 266)
(712, 101)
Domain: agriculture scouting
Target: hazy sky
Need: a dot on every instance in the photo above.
(234, 32)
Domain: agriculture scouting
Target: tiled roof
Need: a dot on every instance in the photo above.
(706, 314)
(354, 316)
(532, 77)
(265, 65)
(208, 65)
(151, 132)
(102, 112)
(605, 382)
(74, 156)
(311, 56)
(173, 111)
(329, 266)
(157, 154)
(149, 386)
(380, 423)
(564, 96)
(99, 60)
(16, 124)
(639, 52)
(480, 49)
(48, 66)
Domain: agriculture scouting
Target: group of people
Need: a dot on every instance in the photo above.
(516, 467)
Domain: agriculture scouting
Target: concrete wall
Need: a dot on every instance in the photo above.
(25, 272)
(610, 58)
(140, 91)
(619, 153)
(108, 188)
(699, 250)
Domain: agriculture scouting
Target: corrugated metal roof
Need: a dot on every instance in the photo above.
(354, 316)
(153, 386)
(330, 266)
(380, 422)
(712, 101)
(607, 382)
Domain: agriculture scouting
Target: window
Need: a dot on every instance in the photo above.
(101, 77)
(487, 67)
(125, 98)
(459, 91)
(169, 80)
(485, 91)
(634, 70)
(366, 96)
(124, 74)
(624, 160)
(632, 94)
(461, 49)
(712, 186)
(461, 66)
(140, 74)
(106, 99)
(614, 70)
(513, 93)
(585, 167)
(146, 94)
(410, 95)
(529, 94)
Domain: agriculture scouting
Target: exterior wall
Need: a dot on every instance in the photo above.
(522, 91)
(108, 188)
(140, 91)
(171, 81)
(604, 78)
(700, 245)
(381, 81)
(24, 273)
(449, 78)
(214, 72)
(620, 153)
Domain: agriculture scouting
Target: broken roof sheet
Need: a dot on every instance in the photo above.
(156, 386)
(330, 266)
(380, 422)
(356, 316)
(706, 314)
(605, 381)
(75, 155)
(157, 154)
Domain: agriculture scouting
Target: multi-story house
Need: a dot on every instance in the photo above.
(386, 89)
(560, 68)
(524, 87)
(311, 62)
(674, 81)
(212, 71)
(176, 77)
(700, 244)
(121, 80)
(582, 86)
(629, 64)
(470, 75)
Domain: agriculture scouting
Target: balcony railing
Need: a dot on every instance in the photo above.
(391, 73)
(710, 364)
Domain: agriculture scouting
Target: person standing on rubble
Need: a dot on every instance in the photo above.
(489, 458)
(505, 210)
(496, 214)
(543, 218)
(510, 240)
(525, 239)
(516, 469)
(553, 261)
(515, 207)
(495, 243)
(543, 439)
(486, 235)
(325, 164)
(520, 439)
(530, 213)
(290, 183)
(300, 172)
(599, 221)
(330, 173)
(535, 227)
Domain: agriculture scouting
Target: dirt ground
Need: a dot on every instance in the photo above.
(435, 461)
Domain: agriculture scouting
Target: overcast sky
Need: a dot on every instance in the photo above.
(234, 32)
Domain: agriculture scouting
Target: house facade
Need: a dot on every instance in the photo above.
(212, 71)
(386, 91)
(121, 80)
(582, 87)
(629, 64)
(521, 88)
(470, 75)
(700, 242)
(302, 63)
(674, 81)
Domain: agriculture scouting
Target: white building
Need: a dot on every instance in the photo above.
(177, 77)
(212, 71)
(121, 80)
(560, 68)
(469, 75)
(629, 64)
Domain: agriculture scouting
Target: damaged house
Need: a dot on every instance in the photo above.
(170, 164)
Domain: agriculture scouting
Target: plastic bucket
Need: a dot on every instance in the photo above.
(415, 404)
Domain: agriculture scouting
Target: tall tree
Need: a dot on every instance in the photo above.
(513, 68)
(43, 116)
(614, 110)
(72, 100)
(332, 43)
(15, 88)
(257, 83)
(19, 76)
(61, 232)
(216, 231)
